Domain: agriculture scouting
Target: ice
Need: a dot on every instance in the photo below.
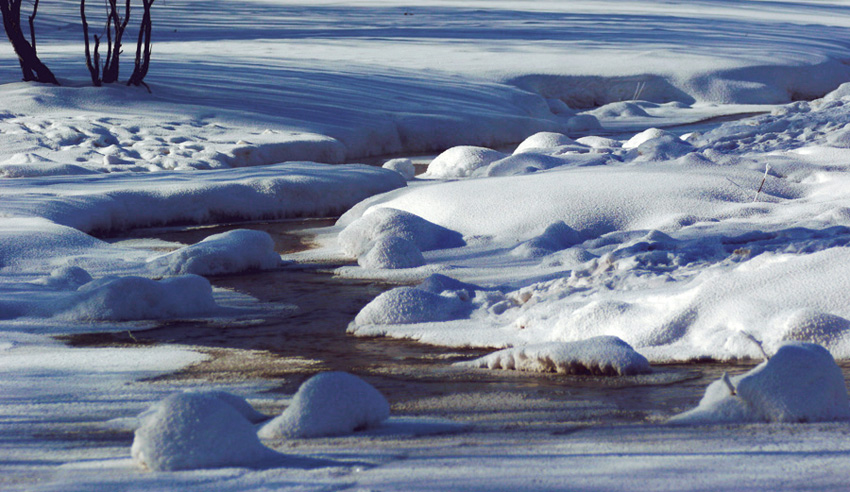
(799, 383)
(234, 251)
(329, 404)
(189, 431)
(605, 355)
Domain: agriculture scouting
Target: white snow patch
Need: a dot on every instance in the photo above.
(461, 162)
(392, 252)
(358, 236)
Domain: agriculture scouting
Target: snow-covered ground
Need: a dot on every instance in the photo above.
(686, 247)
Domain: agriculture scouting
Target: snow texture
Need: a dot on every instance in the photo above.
(229, 252)
(606, 356)
(461, 162)
(189, 431)
(800, 383)
(329, 404)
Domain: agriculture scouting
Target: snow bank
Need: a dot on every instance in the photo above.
(123, 200)
(138, 298)
(329, 404)
(800, 383)
(229, 252)
(605, 355)
(189, 431)
(358, 236)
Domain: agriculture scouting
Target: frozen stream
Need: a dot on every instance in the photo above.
(418, 379)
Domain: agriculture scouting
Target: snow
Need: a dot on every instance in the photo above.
(593, 226)
(229, 252)
(607, 356)
(329, 404)
(402, 166)
(392, 252)
(799, 383)
(359, 233)
(188, 431)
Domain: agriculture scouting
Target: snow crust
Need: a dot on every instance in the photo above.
(229, 252)
(800, 383)
(329, 404)
(608, 356)
(188, 431)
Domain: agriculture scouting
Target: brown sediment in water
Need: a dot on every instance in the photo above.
(287, 346)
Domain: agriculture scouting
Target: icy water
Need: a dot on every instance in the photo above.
(287, 346)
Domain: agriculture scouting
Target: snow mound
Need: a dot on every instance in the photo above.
(531, 162)
(557, 236)
(604, 355)
(800, 383)
(595, 142)
(357, 237)
(404, 305)
(645, 136)
(392, 252)
(189, 431)
(438, 283)
(329, 404)
(461, 162)
(239, 404)
(665, 147)
(619, 110)
(810, 325)
(230, 252)
(543, 141)
(137, 298)
(404, 167)
(67, 278)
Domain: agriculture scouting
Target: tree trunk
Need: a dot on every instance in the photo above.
(143, 48)
(31, 66)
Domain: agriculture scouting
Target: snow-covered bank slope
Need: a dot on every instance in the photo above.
(239, 83)
(681, 249)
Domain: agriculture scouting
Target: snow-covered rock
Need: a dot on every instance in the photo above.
(405, 305)
(800, 383)
(358, 236)
(138, 298)
(229, 252)
(329, 404)
(402, 166)
(188, 431)
(392, 252)
(604, 355)
(644, 136)
(461, 162)
(543, 141)
(67, 278)
(664, 147)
